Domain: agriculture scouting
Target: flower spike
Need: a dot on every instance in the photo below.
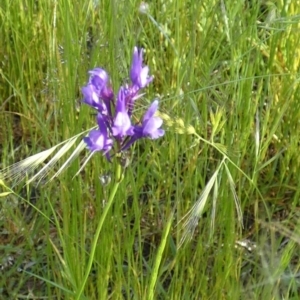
(116, 127)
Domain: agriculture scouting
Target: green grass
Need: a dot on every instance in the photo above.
(227, 76)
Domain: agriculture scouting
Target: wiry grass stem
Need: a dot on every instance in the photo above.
(118, 180)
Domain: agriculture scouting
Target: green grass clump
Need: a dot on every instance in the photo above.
(211, 210)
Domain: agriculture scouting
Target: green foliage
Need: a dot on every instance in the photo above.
(227, 74)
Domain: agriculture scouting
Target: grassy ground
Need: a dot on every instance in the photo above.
(227, 75)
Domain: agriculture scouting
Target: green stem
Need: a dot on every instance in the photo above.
(100, 224)
(158, 259)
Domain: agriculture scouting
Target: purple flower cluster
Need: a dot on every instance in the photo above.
(114, 115)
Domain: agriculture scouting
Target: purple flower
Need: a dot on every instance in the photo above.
(114, 118)
(99, 79)
(97, 93)
(139, 74)
(122, 124)
(91, 98)
(150, 127)
(98, 140)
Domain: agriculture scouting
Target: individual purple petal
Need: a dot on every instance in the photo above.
(99, 78)
(150, 127)
(150, 111)
(98, 140)
(136, 66)
(90, 97)
(95, 141)
(144, 79)
(139, 74)
(121, 124)
(151, 124)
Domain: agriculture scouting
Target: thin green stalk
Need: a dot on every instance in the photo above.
(119, 178)
(158, 259)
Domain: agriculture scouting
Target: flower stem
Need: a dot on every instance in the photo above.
(118, 180)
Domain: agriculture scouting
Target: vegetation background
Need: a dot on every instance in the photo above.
(227, 75)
